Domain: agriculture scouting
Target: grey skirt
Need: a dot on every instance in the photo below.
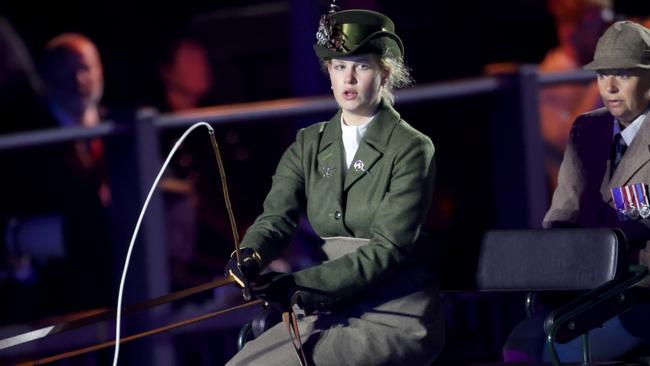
(397, 322)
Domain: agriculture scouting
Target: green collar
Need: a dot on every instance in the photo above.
(378, 132)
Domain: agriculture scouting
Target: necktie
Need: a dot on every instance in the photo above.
(618, 149)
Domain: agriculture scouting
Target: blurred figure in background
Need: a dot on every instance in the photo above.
(21, 88)
(578, 25)
(58, 193)
(186, 76)
(74, 76)
(185, 81)
(21, 108)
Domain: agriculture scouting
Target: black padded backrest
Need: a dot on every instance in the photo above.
(552, 259)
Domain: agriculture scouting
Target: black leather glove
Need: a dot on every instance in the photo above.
(245, 272)
(280, 291)
(276, 289)
(312, 301)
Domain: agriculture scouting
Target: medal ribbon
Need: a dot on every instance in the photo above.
(617, 196)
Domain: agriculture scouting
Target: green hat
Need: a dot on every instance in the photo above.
(353, 32)
(625, 45)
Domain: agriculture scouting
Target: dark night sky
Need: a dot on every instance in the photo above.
(444, 40)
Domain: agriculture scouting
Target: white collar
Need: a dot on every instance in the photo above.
(361, 129)
(351, 137)
(631, 130)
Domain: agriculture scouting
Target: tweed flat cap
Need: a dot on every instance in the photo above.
(624, 45)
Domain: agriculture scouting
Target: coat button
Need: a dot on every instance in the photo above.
(338, 215)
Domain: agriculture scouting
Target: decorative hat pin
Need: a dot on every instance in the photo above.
(343, 33)
(328, 35)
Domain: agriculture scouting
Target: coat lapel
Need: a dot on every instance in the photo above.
(372, 145)
(330, 158)
(635, 158)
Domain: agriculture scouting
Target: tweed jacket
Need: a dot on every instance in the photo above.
(384, 197)
(582, 197)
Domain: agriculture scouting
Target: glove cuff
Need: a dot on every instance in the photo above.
(248, 254)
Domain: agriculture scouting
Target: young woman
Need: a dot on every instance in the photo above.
(365, 181)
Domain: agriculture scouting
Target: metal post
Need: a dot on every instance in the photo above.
(133, 161)
(586, 351)
(152, 237)
(519, 182)
(533, 147)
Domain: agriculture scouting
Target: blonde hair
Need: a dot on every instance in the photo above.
(398, 75)
(395, 74)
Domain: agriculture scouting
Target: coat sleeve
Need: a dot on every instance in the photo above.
(393, 232)
(565, 206)
(272, 230)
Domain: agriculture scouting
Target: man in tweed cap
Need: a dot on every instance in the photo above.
(606, 160)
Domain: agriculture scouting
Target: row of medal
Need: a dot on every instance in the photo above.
(631, 201)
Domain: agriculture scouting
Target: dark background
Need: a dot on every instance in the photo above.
(261, 50)
(251, 41)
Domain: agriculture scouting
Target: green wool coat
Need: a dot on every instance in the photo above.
(385, 199)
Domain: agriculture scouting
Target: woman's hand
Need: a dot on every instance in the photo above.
(246, 271)
(276, 289)
(281, 292)
(312, 301)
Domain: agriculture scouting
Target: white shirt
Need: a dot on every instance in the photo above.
(352, 136)
(631, 130)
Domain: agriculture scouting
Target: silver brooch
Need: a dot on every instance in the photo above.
(327, 171)
(359, 166)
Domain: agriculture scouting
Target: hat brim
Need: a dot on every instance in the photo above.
(613, 63)
(377, 43)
